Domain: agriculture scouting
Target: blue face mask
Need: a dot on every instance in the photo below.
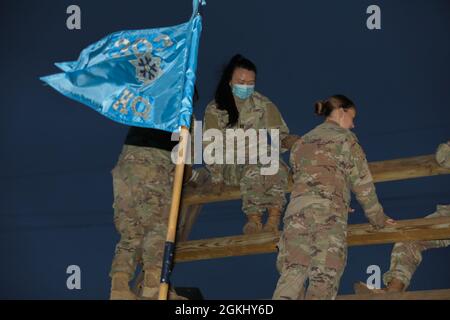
(243, 91)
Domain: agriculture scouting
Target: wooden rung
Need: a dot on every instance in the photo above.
(358, 234)
(443, 294)
(390, 170)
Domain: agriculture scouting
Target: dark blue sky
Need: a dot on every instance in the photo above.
(56, 155)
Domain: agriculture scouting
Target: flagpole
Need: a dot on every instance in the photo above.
(169, 249)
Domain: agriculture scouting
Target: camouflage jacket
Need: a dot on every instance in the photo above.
(257, 112)
(328, 163)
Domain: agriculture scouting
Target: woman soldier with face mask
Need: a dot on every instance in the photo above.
(238, 106)
(327, 164)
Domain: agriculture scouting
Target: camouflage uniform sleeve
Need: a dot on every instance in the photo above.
(362, 185)
(443, 155)
(274, 120)
(212, 121)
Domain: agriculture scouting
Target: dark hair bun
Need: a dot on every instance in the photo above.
(325, 107)
(319, 108)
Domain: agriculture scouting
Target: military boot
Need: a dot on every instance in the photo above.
(273, 221)
(150, 288)
(150, 291)
(120, 288)
(395, 286)
(254, 224)
(362, 288)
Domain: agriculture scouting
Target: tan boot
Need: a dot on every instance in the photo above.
(395, 286)
(120, 288)
(273, 222)
(254, 224)
(174, 296)
(362, 288)
(150, 291)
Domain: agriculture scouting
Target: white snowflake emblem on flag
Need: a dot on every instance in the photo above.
(148, 67)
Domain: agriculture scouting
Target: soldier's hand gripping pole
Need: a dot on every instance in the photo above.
(173, 218)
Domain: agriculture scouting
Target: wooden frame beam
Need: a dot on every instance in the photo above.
(382, 171)
(358, 234)
(443, 294)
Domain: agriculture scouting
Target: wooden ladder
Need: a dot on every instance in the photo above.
(358, 234)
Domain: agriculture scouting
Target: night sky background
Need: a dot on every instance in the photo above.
(56, 154)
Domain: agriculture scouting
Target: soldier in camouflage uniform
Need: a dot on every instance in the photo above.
(143, 182)
(406, 256)
(238, 106)
(327, 164)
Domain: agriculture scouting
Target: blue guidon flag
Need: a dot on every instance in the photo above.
(141, 78)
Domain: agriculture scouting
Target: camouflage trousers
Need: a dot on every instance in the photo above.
(313, 246)
(258, 192)
(142, 182)
(407, 256)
